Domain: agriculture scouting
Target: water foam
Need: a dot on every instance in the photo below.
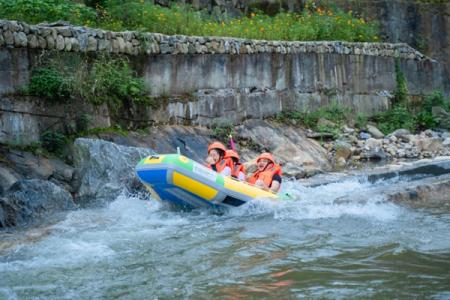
(353, 197)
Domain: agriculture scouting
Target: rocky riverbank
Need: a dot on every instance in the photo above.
(97, 169)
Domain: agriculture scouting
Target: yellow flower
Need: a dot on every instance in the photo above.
(261, 29)
(252, 15)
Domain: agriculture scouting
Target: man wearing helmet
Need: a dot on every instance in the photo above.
(268, 175)
(216, 159)
(238, 170)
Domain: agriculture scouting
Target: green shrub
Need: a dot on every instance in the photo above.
(48, 83)
(361, 121)
(36, 11)
(53, 142)
(111, 81)
(222, 131)
(395, 118)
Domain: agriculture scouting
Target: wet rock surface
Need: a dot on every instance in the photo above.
(28, 200)
(104, 170)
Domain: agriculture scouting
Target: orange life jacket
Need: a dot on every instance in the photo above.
(266, 176)
(236, 169)
(222, 164)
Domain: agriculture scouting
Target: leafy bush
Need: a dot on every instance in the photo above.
(53, 142)
(395, 118)
(48, 83)
(111, 81)
(222, 131)
(36, 11)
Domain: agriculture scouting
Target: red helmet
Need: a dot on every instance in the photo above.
(231, 154)
(217, 145)
(267, 156)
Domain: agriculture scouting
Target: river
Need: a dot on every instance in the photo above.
(311, 247)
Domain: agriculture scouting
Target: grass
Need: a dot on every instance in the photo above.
(312, 24)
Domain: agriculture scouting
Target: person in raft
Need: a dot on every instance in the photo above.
(216, 159)
(268, 175)
(238, 169)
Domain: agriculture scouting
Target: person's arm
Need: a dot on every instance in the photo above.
(241, 176)
(276, 183)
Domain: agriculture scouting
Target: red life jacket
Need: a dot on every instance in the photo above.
(266, 176)
(222, 164)
(237, 168)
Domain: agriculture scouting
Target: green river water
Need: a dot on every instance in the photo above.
(312, 247)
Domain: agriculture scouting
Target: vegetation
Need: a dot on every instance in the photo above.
(49, 84)
(337, 114)
(222, 131)
(106, 80)
(53, 142)
(399, 116)
(110, 81)
(313, 23)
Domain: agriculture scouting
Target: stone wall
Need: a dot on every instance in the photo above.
(203, 79)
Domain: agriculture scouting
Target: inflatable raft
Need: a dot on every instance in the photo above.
(183, 182)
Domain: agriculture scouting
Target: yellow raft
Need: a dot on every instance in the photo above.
(181, 181)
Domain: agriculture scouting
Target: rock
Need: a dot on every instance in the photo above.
(343, 150)
(7, 178)
(393, 139)
(28, 200)
(375, 132)
(286, 143)
(20, 39)
(347, 129)
(446, 142)
(429, 144)
(401, 134)
(364, 135)
(372, 144)
(340, 161)
(374, 154)
(105, 169)
(326, 123)
(60, 43)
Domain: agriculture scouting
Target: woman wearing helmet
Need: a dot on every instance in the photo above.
(216, 159)
(238, 170)
(268, 175)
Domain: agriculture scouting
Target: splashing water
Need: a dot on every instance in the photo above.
(335, 241)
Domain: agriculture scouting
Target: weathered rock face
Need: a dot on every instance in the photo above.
(299, 155)
(104, 169)
(29, 200)
(227, 78)
(17, 164)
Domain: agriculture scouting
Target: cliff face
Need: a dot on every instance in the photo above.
(202, 80)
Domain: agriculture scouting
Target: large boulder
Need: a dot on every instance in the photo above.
(287, 144)
(105, 169)
(28, 200)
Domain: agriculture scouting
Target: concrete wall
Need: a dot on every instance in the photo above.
(204, 79)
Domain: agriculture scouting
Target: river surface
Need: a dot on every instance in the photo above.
(313, 247)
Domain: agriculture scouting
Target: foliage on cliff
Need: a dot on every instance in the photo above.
(313, 23)
(105, 80)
